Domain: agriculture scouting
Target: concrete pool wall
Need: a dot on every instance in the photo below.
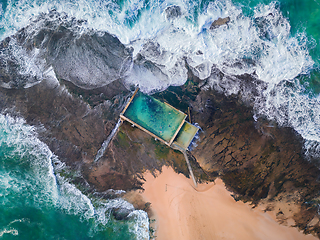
(159, 119)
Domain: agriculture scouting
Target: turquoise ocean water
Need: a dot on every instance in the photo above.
(277, 42)
(38, 203)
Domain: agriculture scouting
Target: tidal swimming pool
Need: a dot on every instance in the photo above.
(157, 117)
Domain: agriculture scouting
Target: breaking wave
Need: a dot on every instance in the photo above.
(30, 182)
(149, 43)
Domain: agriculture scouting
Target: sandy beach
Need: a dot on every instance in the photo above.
(208, 212)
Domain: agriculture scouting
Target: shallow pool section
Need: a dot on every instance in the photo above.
(185, 135)
(158, 118)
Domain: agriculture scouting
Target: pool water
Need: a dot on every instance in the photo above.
(157, 117)
(185, 135)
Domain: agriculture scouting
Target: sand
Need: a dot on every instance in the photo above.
(210, 212)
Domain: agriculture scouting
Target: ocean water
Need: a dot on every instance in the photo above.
(276, 42)
(37, 202)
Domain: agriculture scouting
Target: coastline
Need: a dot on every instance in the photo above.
(208, 212)
(252, 139)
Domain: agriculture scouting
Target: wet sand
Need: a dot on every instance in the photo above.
(208, 212)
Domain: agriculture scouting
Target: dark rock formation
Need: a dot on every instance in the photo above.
(72, 129)
(254, 158)
(131, 153)
(86, 58)
(121, 213)
(219, 22)
(172, 12)
(257, 160)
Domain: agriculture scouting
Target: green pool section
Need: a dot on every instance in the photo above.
(157, 117)
(185, 135)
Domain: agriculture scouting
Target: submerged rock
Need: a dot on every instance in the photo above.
(219, 22)
(121, 213)
(172, 12)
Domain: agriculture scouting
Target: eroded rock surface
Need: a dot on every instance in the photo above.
(76, 53)
(219, 22)
(172, 12)
(257, 160)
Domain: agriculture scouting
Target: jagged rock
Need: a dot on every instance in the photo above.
(255, 160)
(219, 22)
(121, 213)
(88, 59)
(173, 12)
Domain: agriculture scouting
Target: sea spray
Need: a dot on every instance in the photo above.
(88, 59)
(260, 45)
(14, 232)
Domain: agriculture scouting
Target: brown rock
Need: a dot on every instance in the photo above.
(219, 22)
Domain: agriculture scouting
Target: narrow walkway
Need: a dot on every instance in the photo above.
(176, 147)
(190, 169)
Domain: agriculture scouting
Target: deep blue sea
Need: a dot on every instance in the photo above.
(278, 42)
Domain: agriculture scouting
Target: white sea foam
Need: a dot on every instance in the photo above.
(167, 43)
(40, 178)
(139, 219)
(19, 220)
(260, 45)
(140, 224)
(13, 232)
(74, 201)
(312, 149)
(39, 182)
(288, 104)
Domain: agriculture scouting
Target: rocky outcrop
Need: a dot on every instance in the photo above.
(131, 153)
(73, 129)
(172, 12)
(86, 58)
(121, 213)
(257, 160)
(219, 22)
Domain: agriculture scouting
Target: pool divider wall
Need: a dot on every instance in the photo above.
(178, 130)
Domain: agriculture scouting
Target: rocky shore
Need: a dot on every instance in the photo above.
(259, 161)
